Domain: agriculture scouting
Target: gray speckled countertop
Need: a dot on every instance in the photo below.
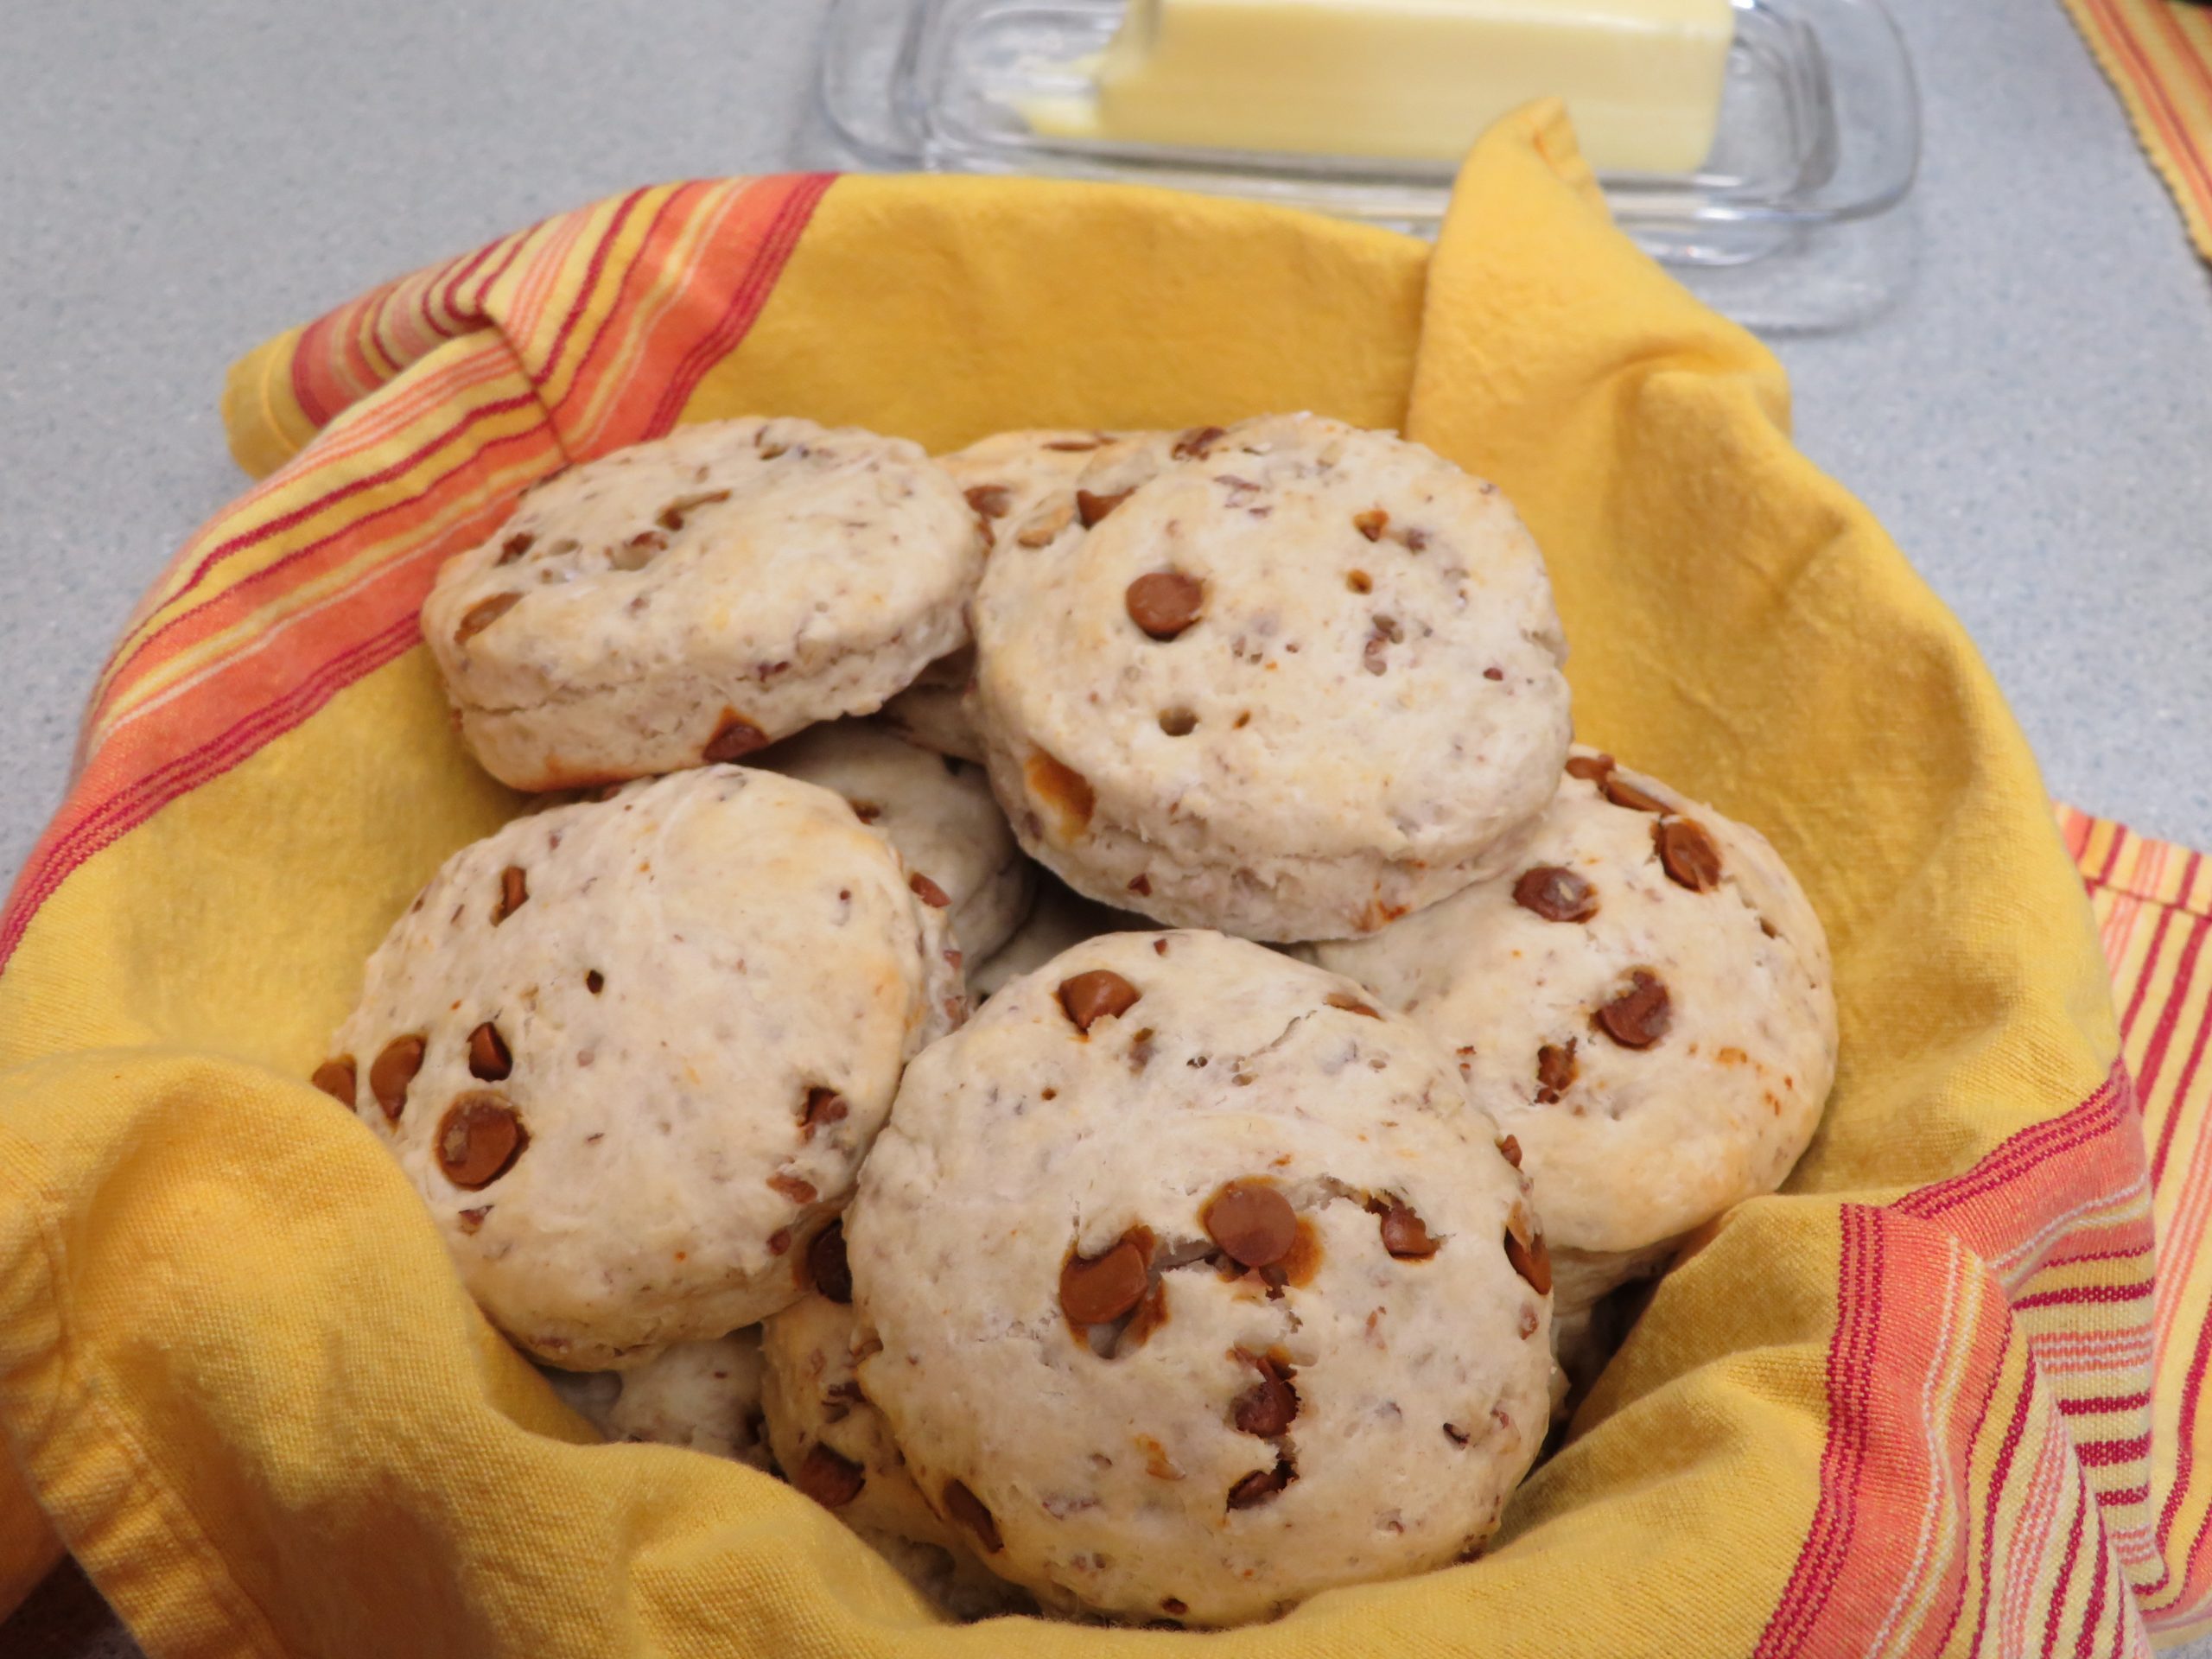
(2030, 416)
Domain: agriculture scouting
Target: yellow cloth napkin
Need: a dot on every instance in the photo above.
(1904, 1407)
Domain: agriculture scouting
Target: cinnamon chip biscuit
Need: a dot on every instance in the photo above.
(693, 599)
(1189, 1285)
(1291, 681)
(1006, 478)
(704, 1395)
(1009, 476)
(1643, 1001)
(631, 1052)
(835, 1446)
(933, 711)
(952, 1578)
(939, 813)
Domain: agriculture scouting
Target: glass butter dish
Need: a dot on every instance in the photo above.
(1819, 123)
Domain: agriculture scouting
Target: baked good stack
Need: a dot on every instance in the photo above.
(1185, 1278)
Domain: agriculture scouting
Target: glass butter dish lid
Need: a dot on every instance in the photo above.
(1817, 118)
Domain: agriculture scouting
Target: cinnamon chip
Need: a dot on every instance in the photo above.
(735, 739)
(1592, 768)
(827, 1265)
(392, 1071)
(1099, 1289)
(672, 515)
(1555, 893)
(478, 1138)
(1269, 1407)
(488, 1058)
(1261, 1485)
(1555, 1074)
(482, 615)
(1041, 529)
(1063, 789)
(969, 1511)
(1252, 1221)
(514, 892)
(1524, 1248)
(1165, 603)
(1088, 998)
(1688, 854)
(822, 1106)
(1404, 1235)
(1090, 509)
(1639, 1016)
(337, 1079)
(831, 1479)
(1621, 792)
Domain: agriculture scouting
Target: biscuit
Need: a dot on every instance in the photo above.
(938, 812)
(631, 1052)
(932, 713)
(1190, 1285)
(1009, 475)
(1291, 680)
(1059, 918)
(832, 1444)
(695, 598)
(702, 1396)
(835, 1447)
(950, 1578)
(1006, 478)
(1643, 1001)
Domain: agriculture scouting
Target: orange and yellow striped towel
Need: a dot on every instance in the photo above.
(2157, 55)
(1943, 1395)
(2152, 902)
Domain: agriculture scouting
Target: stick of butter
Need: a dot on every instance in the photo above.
(1415, 79)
